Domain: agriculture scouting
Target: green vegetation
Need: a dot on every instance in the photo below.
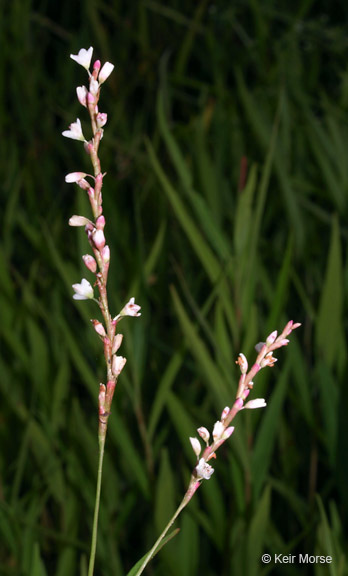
(227, 193)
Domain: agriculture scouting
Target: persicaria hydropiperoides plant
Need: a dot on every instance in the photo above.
(97, 264)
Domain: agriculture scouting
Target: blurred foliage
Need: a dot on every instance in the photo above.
(226, 200)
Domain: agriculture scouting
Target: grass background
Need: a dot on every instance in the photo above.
(226, 201)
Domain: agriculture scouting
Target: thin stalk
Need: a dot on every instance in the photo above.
(96, 507)
(194, 484)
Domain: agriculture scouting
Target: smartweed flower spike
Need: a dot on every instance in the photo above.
(97, 263)
(222, 429)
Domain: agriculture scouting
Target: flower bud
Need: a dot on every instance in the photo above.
(105, 72)
(118, 363)
(257, 403)
(196, 446)
(117, 343)
(90, 263)
(204, 434)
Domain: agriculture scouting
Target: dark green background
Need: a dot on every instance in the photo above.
(226, 199)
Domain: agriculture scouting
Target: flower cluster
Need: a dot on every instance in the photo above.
(98, 262)
(222, 429)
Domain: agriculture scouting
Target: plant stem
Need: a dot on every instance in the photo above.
(194, 484)
(96, 506)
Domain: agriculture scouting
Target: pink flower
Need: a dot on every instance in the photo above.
(75, 132)
(84, 57)
(271, 338)
(102, 118)
(117, 343)
(105, 72)
(83, 291)
(90, 263)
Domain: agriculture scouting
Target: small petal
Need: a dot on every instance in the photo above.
(228, 432)
(243, 363)
(257, 403)
(74, 177)
(225, 412)
(90, 262)
(271, 338)
(204, 470)
(259, 346)
(196, 445)
(99, 328)
(117, 343)
(79, 221)
(218, 430)
(75, 132)
(130, 309)
(99, 239)
(102, 119)
(105, 72)
(84, 57)
(82, 92)
(118, 363)
(204, 434)
(268, 360)
(83, 291)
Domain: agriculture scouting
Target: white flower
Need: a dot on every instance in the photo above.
(84, 57)
(196, 445)
(204, 470)
(204, 434)
(118, 363)
(76, 220)
(74, 177)
(105, 72)
(82, 92)
(218, 430)
(243, 363)
(130, 309)
(75, 132)
(257, 403)
(83, 291)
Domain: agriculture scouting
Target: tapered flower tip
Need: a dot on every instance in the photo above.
(75, 131)
(74, 177)
(130, 309)
(80, 221)
(105, 72)
(83, 291)
(196, 446)
(257, 403)
(84, 57)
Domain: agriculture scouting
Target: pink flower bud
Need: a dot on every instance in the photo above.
(96, 65)
(102, 399)
(100, 223)
(90, 263)
(102, 119)
(98, 239)
(196, 446)
(105, 72)
(99, 328)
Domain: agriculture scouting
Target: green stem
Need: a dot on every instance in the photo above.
(96, 506)
(191, 490)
